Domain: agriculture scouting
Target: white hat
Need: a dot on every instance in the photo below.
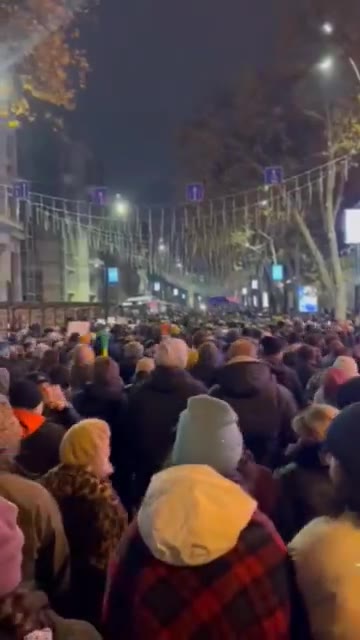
(172, 352)
(208, 433)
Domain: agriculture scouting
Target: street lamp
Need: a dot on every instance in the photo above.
(327, 28)
(326, 65)
(121, 206)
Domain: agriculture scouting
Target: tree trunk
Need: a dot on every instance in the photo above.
(316, 253)
(329, 214)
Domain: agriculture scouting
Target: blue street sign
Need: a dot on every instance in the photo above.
(277, 272)
(273, 175)
(99, 196)
(21, 190)
(195, 192)
(113, 275)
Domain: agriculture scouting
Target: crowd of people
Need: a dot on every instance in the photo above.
(181, 481)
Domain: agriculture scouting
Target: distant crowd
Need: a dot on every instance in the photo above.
(184, 480)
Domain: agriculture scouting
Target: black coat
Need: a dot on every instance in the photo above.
(207, 374)
(154, 409)
(305, 492)
(39, 452)
(109, 403)
(265, 409)
(288, 378)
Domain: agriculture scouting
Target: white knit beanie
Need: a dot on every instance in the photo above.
(172, 352)
(208, 433)
(347, 365)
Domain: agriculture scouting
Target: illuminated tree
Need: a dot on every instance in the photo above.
(40, 52)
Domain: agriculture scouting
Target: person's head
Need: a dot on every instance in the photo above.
(49, 360)
(336, 348)
(200, 336)
(144, 367)
(10, 433)
(311, 425)
(173, 353)
(272, 347)
(348, 365)
(26, 394)
(342, 445)
(244, 348)
(83, 355)
(209, 355)
(333, 380)
(106, 371)
(60, 375)
(4, 382)
(87, 444)
(307, 354)
(133, 350)
(208, 433)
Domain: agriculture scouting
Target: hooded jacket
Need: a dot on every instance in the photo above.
(326, 558)
(39, 450)
(154, 409)
(190, 576)
(264, 408)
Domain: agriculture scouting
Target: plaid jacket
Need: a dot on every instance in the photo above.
(244, 594)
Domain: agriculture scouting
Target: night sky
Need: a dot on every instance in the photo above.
(154, 63)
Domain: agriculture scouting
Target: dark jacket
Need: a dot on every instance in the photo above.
(305, 371)
(154, 409)
(94, 521)
(264, 408)
(288, 378)
(305, 492)
(109, 403)
(65, 417)
(207, 374)
(39, 449)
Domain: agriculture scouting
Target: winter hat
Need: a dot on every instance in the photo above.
(85, 339)
(313, 423)
(106, 371)
(11, 544)
(242, 348)
(348, 393)
(133, 350)
(343, 440)
(24, 394)
(172, 352)
(208, 433)
(145, 365)
(333, 379)
(348, 365)
(83, 354)
(10, 428)
(4, 381)
(87, 444)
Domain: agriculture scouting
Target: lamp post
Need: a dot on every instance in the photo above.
(327, 64)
